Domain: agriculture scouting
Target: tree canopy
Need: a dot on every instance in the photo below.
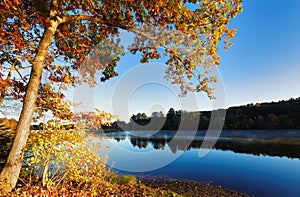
(65, 42)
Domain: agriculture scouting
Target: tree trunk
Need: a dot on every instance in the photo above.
(10, 173)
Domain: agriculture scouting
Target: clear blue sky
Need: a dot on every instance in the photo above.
(263, 65)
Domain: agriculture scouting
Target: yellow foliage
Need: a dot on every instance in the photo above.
(65, 158)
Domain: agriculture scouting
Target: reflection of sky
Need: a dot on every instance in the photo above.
(123, 156)
(262, 176)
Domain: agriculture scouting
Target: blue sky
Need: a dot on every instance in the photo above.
(262, 66)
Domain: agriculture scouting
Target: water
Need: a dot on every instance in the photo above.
(264, 163)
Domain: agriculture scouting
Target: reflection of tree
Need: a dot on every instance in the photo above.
(179, 145)
(119, 138)
(139, 142)
(158, 143)
(133, 142)
(272, 147)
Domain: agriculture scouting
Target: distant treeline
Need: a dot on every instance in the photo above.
(274, 115)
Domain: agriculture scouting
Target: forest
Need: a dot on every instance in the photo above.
(273, 115)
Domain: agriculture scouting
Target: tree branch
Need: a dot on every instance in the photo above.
(22, 68)
(54, 8)
(70, 18)
(22, 77)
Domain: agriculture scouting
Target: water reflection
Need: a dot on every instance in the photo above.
(257, 175)
(266, 143)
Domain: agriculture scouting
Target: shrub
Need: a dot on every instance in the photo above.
(58, 157)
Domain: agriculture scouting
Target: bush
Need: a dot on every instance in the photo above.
(57, 157)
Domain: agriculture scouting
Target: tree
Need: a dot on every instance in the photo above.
(141, 116)
(171, 113)
(41, 33)
(133, 117)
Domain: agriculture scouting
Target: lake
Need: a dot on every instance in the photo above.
(262, 163)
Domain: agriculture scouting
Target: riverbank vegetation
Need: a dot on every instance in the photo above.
(71, 163)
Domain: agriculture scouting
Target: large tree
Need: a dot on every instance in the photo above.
(42, 33)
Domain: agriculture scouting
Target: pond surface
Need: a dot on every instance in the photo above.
(262, 163)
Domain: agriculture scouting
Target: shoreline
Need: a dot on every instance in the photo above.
(137, 186)
(190, 188)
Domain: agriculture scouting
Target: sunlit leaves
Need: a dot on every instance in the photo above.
(51, 99)
(3, 85)
(189, 39)
(94, 120)
(64, 157)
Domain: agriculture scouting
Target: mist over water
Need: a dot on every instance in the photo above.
(255, 162)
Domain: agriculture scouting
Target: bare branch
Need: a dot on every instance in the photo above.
(22, 77)
(22, 68)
